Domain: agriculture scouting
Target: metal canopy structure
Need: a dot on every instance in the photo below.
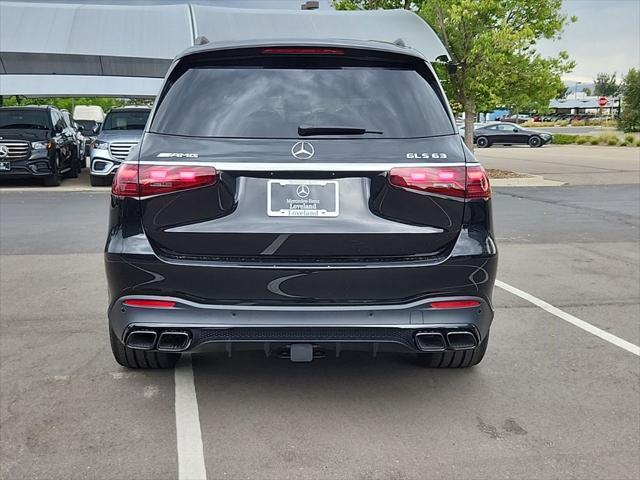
(113, 49)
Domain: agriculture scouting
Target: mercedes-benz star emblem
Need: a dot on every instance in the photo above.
(303, 150)
(4, 151)
(303, 191)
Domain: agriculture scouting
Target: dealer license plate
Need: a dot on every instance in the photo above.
(302, 198)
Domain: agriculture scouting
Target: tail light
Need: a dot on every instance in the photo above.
(460, 182)
(478, 185)
(145, 180)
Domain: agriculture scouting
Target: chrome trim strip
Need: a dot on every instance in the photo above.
(301, 167)
(184, 326)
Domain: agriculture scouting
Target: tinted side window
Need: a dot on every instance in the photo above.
(58, 123)
(273, 102)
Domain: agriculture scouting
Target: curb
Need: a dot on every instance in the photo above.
(528, 181)
(55, 189)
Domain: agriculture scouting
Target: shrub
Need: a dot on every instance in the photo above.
(623, 144)
(594, 141)
(583, 139)
(564, 139)
(638, 143)
(629, 139)
(608, 139)
(578, 123)
(562, 123)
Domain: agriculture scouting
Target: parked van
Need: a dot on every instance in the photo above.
(88, 112)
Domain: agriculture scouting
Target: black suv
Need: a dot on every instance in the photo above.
(301, 198)
(36, 143)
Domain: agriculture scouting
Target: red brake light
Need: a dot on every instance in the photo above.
(302, 51)
(142, 181)
(458, 182)
(150, 303)
(455, 304)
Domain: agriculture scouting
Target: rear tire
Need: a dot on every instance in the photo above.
(483, 142)
(99, 181)
(451, 359)
(132, 358)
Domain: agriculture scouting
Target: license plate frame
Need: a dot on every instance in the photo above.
(303, 200)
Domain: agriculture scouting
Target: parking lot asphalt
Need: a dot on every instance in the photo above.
(550, 400)
(572, 164)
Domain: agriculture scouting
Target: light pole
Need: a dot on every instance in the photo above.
(575, 91)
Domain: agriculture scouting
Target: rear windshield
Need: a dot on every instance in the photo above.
(88, 125)
(126, 120)
(25, 119)
(273, 102)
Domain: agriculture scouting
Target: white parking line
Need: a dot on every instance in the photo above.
(189, 436)
(617, 341)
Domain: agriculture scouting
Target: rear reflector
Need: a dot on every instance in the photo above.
(302, 51)
(145, 180)
(455, 304)
(150, 303)
(459, 182)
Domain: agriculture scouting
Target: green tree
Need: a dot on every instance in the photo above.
(377, 4)
(493, 44)
(630, 115)
(563, 91)
(68, 103)
(605, 85)
(587, 91)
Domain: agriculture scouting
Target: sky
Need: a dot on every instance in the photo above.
(606, 38)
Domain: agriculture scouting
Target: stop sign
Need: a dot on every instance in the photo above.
(602, 101)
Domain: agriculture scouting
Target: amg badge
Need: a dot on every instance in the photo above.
(177, 155)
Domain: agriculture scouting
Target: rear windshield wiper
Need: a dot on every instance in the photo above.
(309, 130)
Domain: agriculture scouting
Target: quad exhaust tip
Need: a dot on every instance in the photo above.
(174, 341)
(461, 340)
(141, 339)
(435, 341)
(430, 341)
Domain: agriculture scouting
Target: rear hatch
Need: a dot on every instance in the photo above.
(302, 155)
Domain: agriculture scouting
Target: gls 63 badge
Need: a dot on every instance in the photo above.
(426, 155)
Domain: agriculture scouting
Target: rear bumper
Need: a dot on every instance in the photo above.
(223, 304)
(389, 327)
